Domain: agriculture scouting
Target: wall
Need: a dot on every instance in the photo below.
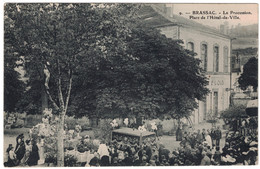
(218, 81)
(198, 37)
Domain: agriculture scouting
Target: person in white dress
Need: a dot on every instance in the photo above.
(40, 145)
(103, 150)
(208, 140)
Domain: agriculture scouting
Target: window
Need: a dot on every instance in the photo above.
(225, 55)
(204, 56)
(216, 59)
(215, 102)
(190, 46)
(205, 109)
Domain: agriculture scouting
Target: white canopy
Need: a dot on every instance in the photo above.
(252, 104)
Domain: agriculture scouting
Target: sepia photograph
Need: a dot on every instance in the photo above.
(130, 84)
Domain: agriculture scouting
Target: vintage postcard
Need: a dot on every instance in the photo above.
(130, 84)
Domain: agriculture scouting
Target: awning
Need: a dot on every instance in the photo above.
(252, 104)
(252, 108)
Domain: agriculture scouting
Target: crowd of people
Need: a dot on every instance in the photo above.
(24, 153)
(245, 126)
(242, 149)
(196, 148)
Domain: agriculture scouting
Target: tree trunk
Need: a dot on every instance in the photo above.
(60, 145)
(44, 99)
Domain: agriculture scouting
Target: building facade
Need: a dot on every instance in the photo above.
(211, 46)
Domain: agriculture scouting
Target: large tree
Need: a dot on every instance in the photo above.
(59, 40)
(158, 79)
(249, 77)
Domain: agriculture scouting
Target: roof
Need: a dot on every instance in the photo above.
(133, 132)
(240, 96)
(156, 18)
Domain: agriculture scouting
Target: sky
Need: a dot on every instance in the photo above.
(247, 19)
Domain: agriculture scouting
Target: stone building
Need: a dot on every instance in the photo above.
(211, 46)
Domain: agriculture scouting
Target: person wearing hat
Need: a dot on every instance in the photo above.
(128, 160)
(203, 133)
(144, 161)
(217, 156)
(12, 160)
(115, 162)
(7, 154)
(20, 147)
(218, 136)
(171, 159)
(149, 152)
(34, 155)
(205, 159)
(136, 161)
(199, 137)
(28, 149)
(197, 157)
(95, 161)
(163, 152)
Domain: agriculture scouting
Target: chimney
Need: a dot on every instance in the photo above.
(224, 28)
(169, 10)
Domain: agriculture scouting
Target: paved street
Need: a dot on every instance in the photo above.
(170, 141)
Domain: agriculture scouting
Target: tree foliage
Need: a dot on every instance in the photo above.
(160, 79)
(249, 77)
(235, 111)
(13, 85)
(13, 88)
(123, 67)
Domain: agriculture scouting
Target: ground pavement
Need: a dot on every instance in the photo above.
(170, 141)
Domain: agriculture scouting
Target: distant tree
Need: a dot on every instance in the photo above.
(246, 51)
(249, 77)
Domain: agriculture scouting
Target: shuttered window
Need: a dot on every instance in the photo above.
(216, 59)
(225, 55)
(204, 56)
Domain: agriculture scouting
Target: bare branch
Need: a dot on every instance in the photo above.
(49, 95)
(50, 98)
(69, 90)
(60, 96)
